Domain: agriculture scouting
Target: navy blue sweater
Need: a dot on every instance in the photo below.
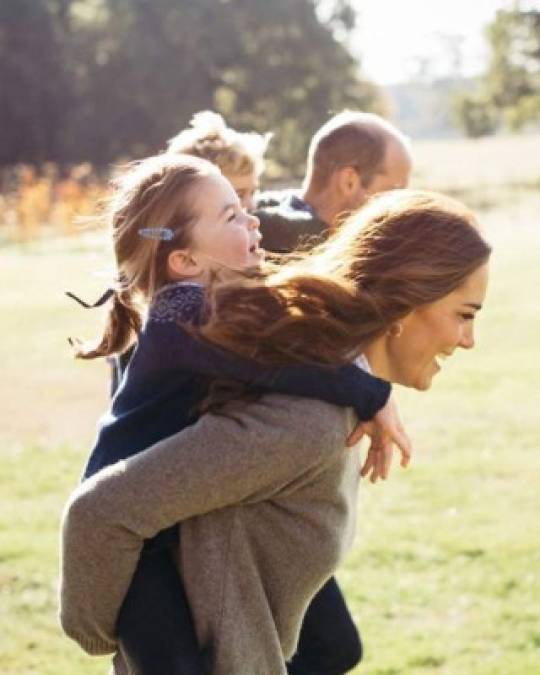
(171, 369)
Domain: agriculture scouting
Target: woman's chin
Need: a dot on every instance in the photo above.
(425, 379)
(420, 383)
(421, 380)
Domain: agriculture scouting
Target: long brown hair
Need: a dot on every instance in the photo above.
(404, 249)
(150, 214)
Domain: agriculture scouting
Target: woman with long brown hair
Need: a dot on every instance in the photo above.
(268, 508)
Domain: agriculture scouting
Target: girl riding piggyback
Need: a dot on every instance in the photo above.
(177, 224)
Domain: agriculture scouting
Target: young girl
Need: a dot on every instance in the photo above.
(177, 223)
(239, 156)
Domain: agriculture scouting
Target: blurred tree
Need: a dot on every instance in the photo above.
(514, 69)
(474, 114)
(99, 79)
(513, 77)
(35, 93)
(511, 86)
(288, 72)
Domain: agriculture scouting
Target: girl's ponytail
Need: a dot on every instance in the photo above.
(151, 214)
(122, 325)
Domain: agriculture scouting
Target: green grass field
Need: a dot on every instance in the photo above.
(444, 577)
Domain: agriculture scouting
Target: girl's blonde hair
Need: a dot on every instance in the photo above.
(151, 213)
(235, 153)
(402, 250)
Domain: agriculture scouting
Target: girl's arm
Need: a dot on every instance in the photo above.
(165, 334)
(345, 386)
(217, 462)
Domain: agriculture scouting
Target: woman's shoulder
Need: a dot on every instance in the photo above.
(291, 424)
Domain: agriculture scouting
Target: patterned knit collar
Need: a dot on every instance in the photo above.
(181, 301)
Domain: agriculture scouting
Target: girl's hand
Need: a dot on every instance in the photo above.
(385, 430)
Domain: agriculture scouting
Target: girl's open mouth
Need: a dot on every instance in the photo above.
(256, 250)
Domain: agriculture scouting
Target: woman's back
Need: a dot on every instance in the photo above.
(263, 545)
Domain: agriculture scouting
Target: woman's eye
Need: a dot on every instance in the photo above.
(467, 316)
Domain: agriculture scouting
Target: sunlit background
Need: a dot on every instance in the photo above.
(403, 41)
(444, 576)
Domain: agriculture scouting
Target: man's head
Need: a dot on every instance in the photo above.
(351, 157)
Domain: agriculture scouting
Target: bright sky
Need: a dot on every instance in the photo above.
(399, 38)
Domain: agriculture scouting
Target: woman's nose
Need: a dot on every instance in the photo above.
(467, 339)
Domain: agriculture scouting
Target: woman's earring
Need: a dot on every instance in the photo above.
(395, 330)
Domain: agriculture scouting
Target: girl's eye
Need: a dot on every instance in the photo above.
(231, 217)
(467, 316)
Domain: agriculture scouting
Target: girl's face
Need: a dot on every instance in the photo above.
(224, 235)
(431, 333)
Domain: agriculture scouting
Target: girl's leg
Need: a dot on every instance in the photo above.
(329, 641)
(155, 627)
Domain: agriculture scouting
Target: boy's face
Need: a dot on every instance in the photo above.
(245, 186)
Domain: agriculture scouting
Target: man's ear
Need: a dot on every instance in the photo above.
(349, 181)
(181, 264)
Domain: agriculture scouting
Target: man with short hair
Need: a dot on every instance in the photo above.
(351, 157)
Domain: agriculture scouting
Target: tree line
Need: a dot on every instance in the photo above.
(508, 93)
(96, 80)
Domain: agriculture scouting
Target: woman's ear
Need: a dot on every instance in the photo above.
(181, 265)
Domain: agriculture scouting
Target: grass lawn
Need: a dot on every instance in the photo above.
(444, 577)
(445, 574)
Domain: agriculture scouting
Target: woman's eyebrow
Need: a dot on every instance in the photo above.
(474, 305)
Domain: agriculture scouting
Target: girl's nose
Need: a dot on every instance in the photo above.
(253, 222)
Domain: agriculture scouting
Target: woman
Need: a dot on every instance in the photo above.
(268, 490)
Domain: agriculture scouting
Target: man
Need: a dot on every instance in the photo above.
(351, 157)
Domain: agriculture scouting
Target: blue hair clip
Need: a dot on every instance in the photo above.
(161, 233)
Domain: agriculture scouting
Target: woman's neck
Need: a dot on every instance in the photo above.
(377, 356)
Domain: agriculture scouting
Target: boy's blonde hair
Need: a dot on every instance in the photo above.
(151, 213)
(235, 153)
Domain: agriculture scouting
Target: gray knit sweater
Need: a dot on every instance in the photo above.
(267, 502)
